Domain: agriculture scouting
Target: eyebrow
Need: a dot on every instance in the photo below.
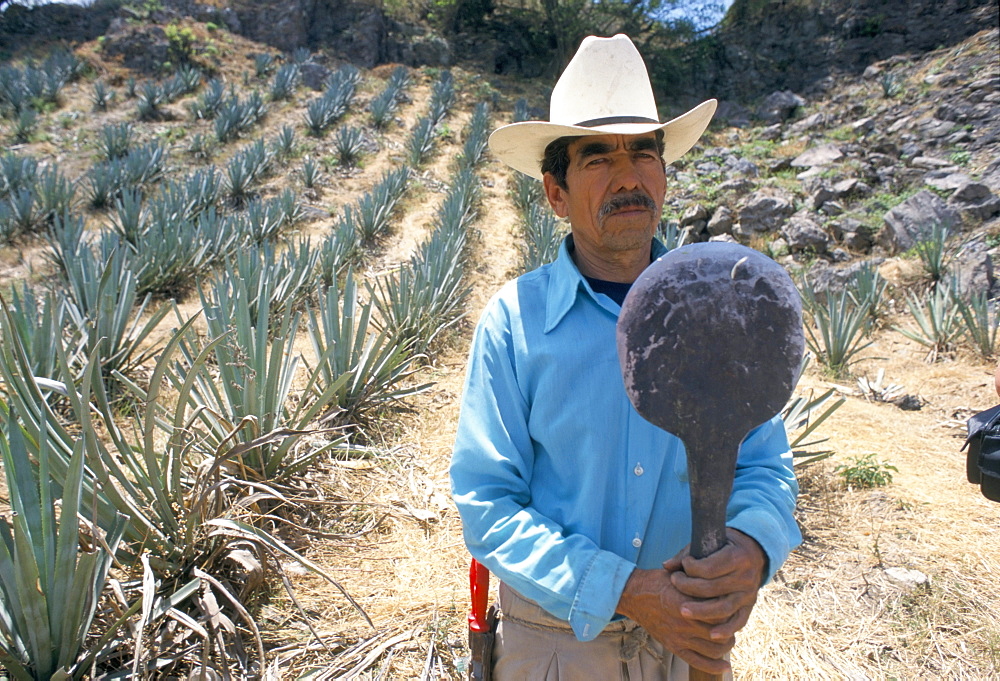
(643, 144)
(598, 148)
(593, 149)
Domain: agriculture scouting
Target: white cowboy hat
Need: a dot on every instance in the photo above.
(604, 90)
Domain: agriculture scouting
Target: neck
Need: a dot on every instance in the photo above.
(622, 267)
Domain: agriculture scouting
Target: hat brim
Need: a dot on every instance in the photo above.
(522, 145)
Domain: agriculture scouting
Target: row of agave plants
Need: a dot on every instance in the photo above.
(150, 480)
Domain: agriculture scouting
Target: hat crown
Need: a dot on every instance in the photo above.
(605, 79)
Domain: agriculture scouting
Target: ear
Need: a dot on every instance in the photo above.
(556, 195)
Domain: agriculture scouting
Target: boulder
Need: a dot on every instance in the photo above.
(721, 222)
(913, 220)
(975, 200)
(822, 155)
(825, 278)
(142, 48)
(695, 215)
(802, 233)
(821, 196)
(765, 211)
(817, 120)
(779, 106)
(973, 269)
(945, 179)
(314, 75)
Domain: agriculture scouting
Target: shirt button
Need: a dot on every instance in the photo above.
(638, 469)
(636, 542)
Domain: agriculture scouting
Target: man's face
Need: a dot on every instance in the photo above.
(615, 185)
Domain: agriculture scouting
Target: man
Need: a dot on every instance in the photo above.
(572, 499)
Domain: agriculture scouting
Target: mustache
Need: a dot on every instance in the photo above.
(630, 200)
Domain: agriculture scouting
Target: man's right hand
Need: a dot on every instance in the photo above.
(652, 601)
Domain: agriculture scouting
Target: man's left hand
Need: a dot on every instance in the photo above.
(723, 586)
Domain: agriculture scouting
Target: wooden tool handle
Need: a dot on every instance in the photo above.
(698, 675)
(708, 504)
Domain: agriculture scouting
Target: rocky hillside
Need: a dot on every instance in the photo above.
(863, 171)
(803, 46)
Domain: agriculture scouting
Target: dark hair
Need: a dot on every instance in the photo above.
(556, 157)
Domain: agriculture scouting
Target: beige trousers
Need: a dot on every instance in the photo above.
(532, 645)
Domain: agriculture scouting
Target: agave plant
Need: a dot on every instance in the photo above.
(935, 253)
(836, 334)
(102, 96)
(868, 288)
(56, 195)
(24, 125)
(378, 369)
(37, 320)
(311, 172)
(802, 416)
(420, 143)
(418, 303)
(375, 208)
(115, 140)
(980, 320)
(340, 251)
(670, 234)
(285, 81)
(477, 135)
(288, 277)
(149, 99)
(284, 142)
(130, 220)
(23, 212)
(173, 252)
(399, 80)
(184, 502)
(248, 397)
(542, 238)
(50, 578)
(243, 171)
(347, 144)
(442, 97)
(521, 111)
(383, 108)
(263, 64)
(17, 172)
(65, 238)
(103, 306)
(938, 319)
(207, 106)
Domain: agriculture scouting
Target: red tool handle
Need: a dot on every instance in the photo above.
(479, 585)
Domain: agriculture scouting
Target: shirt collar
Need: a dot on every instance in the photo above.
(566, 282)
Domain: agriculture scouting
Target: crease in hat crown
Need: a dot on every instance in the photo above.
(604, 90)
(610, 66)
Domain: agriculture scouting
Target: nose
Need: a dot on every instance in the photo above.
(626, 174)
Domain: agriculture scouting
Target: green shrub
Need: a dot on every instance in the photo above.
(866, 471)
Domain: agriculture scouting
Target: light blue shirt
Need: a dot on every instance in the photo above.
(563, 488)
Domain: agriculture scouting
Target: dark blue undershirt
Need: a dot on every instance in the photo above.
(612, 289)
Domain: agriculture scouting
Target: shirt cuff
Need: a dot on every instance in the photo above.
(598, 594)
(767, 531)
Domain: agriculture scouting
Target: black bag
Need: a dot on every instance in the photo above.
(982, 465)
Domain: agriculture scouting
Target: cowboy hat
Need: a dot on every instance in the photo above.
(605, 90)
